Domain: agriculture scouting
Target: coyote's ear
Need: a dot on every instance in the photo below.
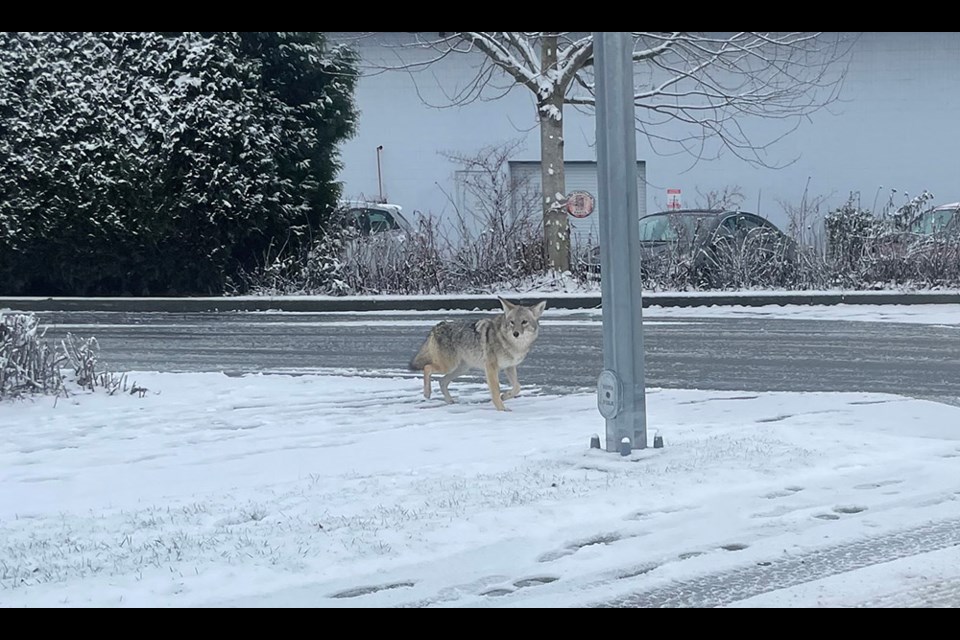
(507, 306)
(538, 308)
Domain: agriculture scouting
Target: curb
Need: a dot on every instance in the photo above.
(467, 303)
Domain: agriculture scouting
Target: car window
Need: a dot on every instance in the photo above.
(380, 221)
(357, 219)
(656, 229)
(729, 225)
(402, 223)
(368, 221)
(741, 224)
(668, 228)
(935, 221)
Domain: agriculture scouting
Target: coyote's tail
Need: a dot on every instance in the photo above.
(422, 358)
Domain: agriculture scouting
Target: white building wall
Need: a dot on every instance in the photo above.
(897, 126)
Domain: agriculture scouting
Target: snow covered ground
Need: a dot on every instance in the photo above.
(335, 491)
(930, 579)
(547, 293)
(937, 314)
(933, 314)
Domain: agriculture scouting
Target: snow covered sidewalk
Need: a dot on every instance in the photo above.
(345, 491)
(947, 315)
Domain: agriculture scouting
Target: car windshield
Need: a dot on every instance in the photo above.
(934, 221)
(669, 227)
(402, 222)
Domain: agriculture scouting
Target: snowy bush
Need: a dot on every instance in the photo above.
(762, 258)
(498, 230)
(497, 241)
(431, 260)
(849, 247)
(850, 231)
(869, 251)
(30, 364)
(497, 245)
(285, 271)
(163, 163)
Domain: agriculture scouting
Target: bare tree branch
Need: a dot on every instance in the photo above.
(503, 58)
(711, 83)
(525, 47)
(715, 84)
(651, 52)
(574, 58)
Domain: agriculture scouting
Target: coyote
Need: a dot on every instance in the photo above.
(491, 344)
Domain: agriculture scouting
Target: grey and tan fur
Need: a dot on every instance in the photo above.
(490, 344)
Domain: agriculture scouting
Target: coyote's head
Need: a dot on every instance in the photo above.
(520, 323)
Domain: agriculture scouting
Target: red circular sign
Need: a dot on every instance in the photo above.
(580, 204)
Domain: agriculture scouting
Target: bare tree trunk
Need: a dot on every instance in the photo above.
(556, 230)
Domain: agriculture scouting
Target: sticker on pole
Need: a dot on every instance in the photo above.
(580, 204)
(608, 394)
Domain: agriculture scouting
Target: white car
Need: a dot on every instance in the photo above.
(372, 218)
(942, 220)
(378, 233)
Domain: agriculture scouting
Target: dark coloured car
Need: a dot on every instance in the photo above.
(714, 248)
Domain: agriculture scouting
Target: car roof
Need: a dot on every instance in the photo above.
(947, 207)
(706, 213)
(367, 204)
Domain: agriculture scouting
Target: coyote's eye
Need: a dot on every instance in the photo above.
(524, 322)
(512, 323)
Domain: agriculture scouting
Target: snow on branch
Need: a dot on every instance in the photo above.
(712, 82)
(707, 81)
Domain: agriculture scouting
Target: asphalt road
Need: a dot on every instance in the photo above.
(749, 354)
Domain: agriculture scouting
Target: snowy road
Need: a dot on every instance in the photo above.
(731, 349)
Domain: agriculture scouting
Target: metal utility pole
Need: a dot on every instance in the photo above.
(621, 397)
